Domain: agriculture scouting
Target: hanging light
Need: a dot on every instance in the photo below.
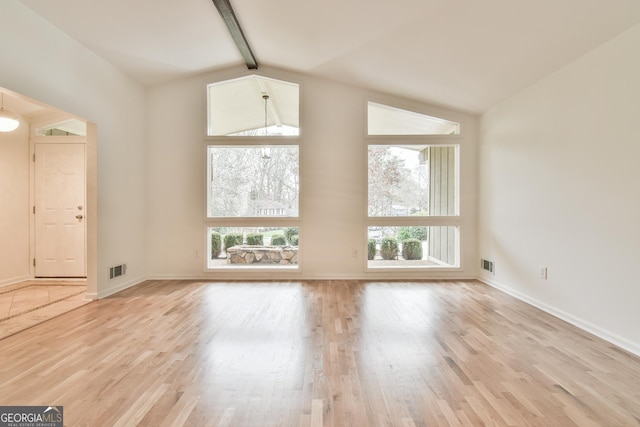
(266, 150)
(8, 121)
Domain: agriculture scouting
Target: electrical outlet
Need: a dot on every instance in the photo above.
(543, 272)
(354, 253)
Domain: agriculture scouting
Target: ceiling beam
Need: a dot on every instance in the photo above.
(229, 17)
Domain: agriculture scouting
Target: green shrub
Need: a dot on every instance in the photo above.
(255, 239)
(419, 232)
(412, 249)
(278, 240)
(289, 232)
(389, 248)
(216, 245)
(293, 240)
(232, 239)
(371, 249)
(404, 233)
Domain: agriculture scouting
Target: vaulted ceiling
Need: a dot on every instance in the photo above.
(464, 54)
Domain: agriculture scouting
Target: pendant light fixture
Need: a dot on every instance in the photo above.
(266, 150)
(8, 121)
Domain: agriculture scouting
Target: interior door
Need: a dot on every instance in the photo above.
(60, 232)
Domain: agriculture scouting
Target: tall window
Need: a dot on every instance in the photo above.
(387, 120)
(236, 107)
(253, 181)
(253, 174)
(413, 190)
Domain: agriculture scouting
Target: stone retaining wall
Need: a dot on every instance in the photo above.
(250, 254)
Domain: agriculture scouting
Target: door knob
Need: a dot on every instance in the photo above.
(79, 216)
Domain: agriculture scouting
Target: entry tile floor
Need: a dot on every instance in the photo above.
(28, 303)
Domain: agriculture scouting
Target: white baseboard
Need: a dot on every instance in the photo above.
(273, 275)
(121, 286)
(606, 335)
(14, 280)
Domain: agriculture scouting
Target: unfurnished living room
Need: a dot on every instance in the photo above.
(362, 213)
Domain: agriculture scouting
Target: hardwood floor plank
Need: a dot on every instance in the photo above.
(227, 417)
(181, 411)
(317, 413)
(320, 353)
(448, 413)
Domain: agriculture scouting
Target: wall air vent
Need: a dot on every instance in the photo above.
(489, 266)
(117, 271)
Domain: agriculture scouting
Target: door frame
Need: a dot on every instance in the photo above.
(39, 144)
(91, 196)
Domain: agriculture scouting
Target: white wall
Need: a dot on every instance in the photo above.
(333, 180)
(39, 61)
(560, 187)
(14, 210)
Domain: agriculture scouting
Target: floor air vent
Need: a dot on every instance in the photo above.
(117, 271)
(488, 266)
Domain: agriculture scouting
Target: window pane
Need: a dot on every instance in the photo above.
(70, 127)
(412, 246)
(251, 247)
(253, 181)
(412, 180)
(237, 107)
(387, 120)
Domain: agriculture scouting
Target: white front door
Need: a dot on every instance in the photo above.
(60, 210)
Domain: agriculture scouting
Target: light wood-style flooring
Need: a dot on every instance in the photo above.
(319, 353)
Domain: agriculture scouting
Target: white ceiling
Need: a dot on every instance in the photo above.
(465, 54)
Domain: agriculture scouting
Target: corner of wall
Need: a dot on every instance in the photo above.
(583, 324)
(107, 291)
